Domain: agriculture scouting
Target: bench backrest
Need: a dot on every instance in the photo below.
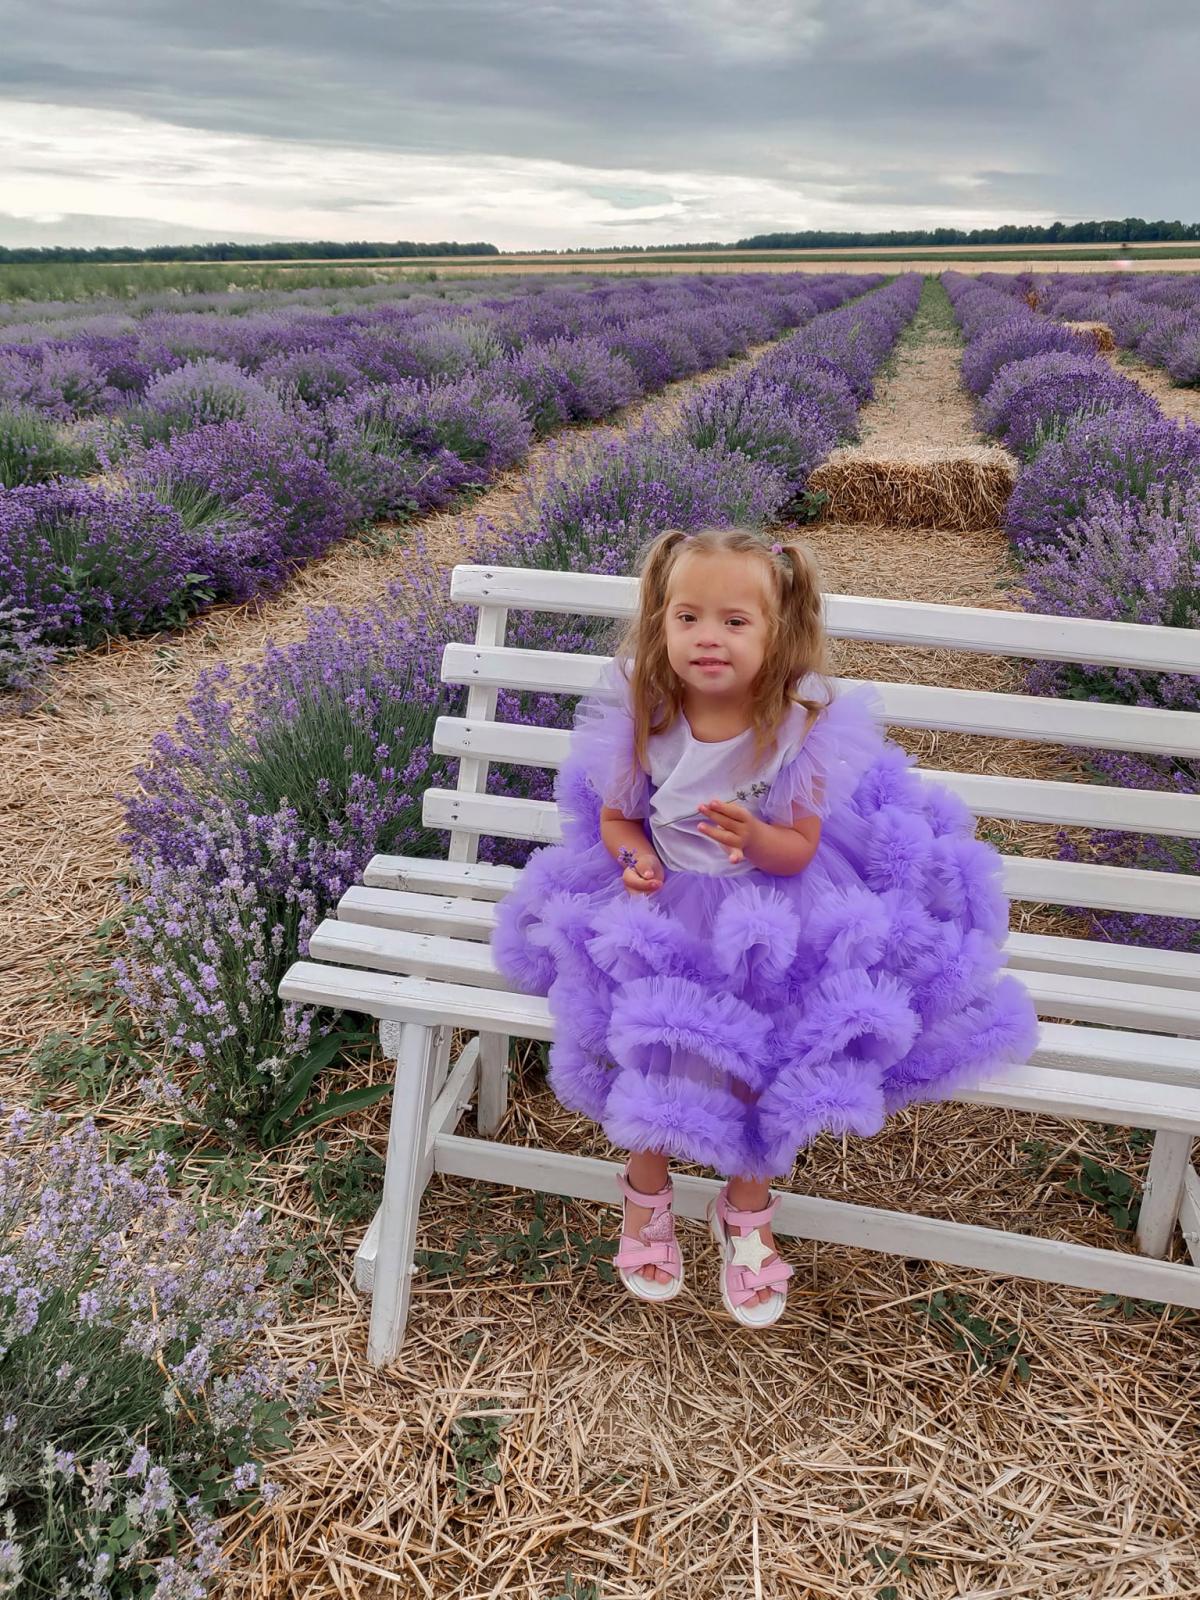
(488, 665)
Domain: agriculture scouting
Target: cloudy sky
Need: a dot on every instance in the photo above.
(540, 123)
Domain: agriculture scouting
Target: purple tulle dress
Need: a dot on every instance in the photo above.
(734, 1015)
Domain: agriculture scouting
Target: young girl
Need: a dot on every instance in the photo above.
(761, 923)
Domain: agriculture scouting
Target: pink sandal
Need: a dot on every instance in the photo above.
(654, 1245)
(743, 1272)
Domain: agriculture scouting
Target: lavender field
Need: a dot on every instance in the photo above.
(184, 1156)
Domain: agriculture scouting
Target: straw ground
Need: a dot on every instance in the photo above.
(920, 462)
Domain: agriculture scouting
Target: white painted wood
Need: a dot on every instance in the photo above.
(493, 1081)
(1072, 883)
(1123, 963)
(1078, 1094)
(1162, 1194)
(463, 918)
(406, 1175)
(1041, 720)
(974, 628)
(1081, 998)
(1024, 799)
(472, 880)
(481, 704)
(456, 916)
(447, 1110)
(1189, 1213)
(837, 1222)
(1113, 1052)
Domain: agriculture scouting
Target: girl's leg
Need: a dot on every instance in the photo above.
(647, 1172)
(753, 1194)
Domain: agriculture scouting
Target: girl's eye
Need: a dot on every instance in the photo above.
(737, 622)
(685, 616)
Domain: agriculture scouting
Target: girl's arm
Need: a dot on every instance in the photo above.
(769, 846)
(626, 841)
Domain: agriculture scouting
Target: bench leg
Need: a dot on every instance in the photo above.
(1163, 1194)
(406, 1175)
(493, 1081)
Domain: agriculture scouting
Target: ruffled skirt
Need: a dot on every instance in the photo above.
(729, 1020)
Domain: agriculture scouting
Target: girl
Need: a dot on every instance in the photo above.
(761, 924)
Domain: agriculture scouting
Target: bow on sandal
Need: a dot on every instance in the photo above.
(743, 1272)
(654, 1245)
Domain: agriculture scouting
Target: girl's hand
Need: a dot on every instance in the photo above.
(731, 826)
(643, 874)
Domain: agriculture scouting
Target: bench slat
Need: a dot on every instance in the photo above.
(475, 880)
(1048, 1090)
(465, 960)
(1021, 799)
(1069, 883)
(978, 629)
(463, 918)
(905, 705)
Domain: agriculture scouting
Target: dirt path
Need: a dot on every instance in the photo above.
(1181, 404)
(919, 401)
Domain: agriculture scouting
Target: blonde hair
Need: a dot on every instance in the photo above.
(795, 647)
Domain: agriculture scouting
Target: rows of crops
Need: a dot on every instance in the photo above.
(154, 466)
(1105, 518)
(1157, 317)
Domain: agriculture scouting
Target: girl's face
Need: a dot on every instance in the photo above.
(718, 622)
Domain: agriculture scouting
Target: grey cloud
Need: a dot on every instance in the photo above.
(1078, 110)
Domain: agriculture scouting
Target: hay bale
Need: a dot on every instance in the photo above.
(958, 488)
(1099, 334)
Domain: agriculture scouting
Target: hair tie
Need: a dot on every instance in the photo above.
(776, 549)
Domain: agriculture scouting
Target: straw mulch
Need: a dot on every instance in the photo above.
(956, 488)
(1099, 334)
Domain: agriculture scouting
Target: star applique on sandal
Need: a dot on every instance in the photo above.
(745, 1268)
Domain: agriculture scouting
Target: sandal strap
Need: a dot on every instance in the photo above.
(744, 1219)
(656, 1202)
(743, 1283)
(658, 1253)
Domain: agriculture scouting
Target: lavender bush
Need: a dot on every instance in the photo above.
(1040, 398)
(34, 449)
(204, 392)
(131, 1411)
(1125, 452)
(83, 563)
(764, 422)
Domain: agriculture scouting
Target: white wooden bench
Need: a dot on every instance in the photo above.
(410, 945)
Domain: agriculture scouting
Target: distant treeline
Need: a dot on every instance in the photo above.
(1130, 230)
(287, 250)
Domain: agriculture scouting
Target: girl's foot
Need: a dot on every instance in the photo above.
(648, 1262)
(753, 1278)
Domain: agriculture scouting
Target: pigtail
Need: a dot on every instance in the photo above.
(654, 689)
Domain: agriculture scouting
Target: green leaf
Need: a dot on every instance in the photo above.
(338, 1105)
(301, 1081)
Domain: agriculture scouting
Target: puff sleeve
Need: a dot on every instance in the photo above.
(601, 768)
(822, 774)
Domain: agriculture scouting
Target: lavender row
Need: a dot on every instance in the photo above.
(1158, 317)
(272, 793)
(229, 477)
(1105, 517)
